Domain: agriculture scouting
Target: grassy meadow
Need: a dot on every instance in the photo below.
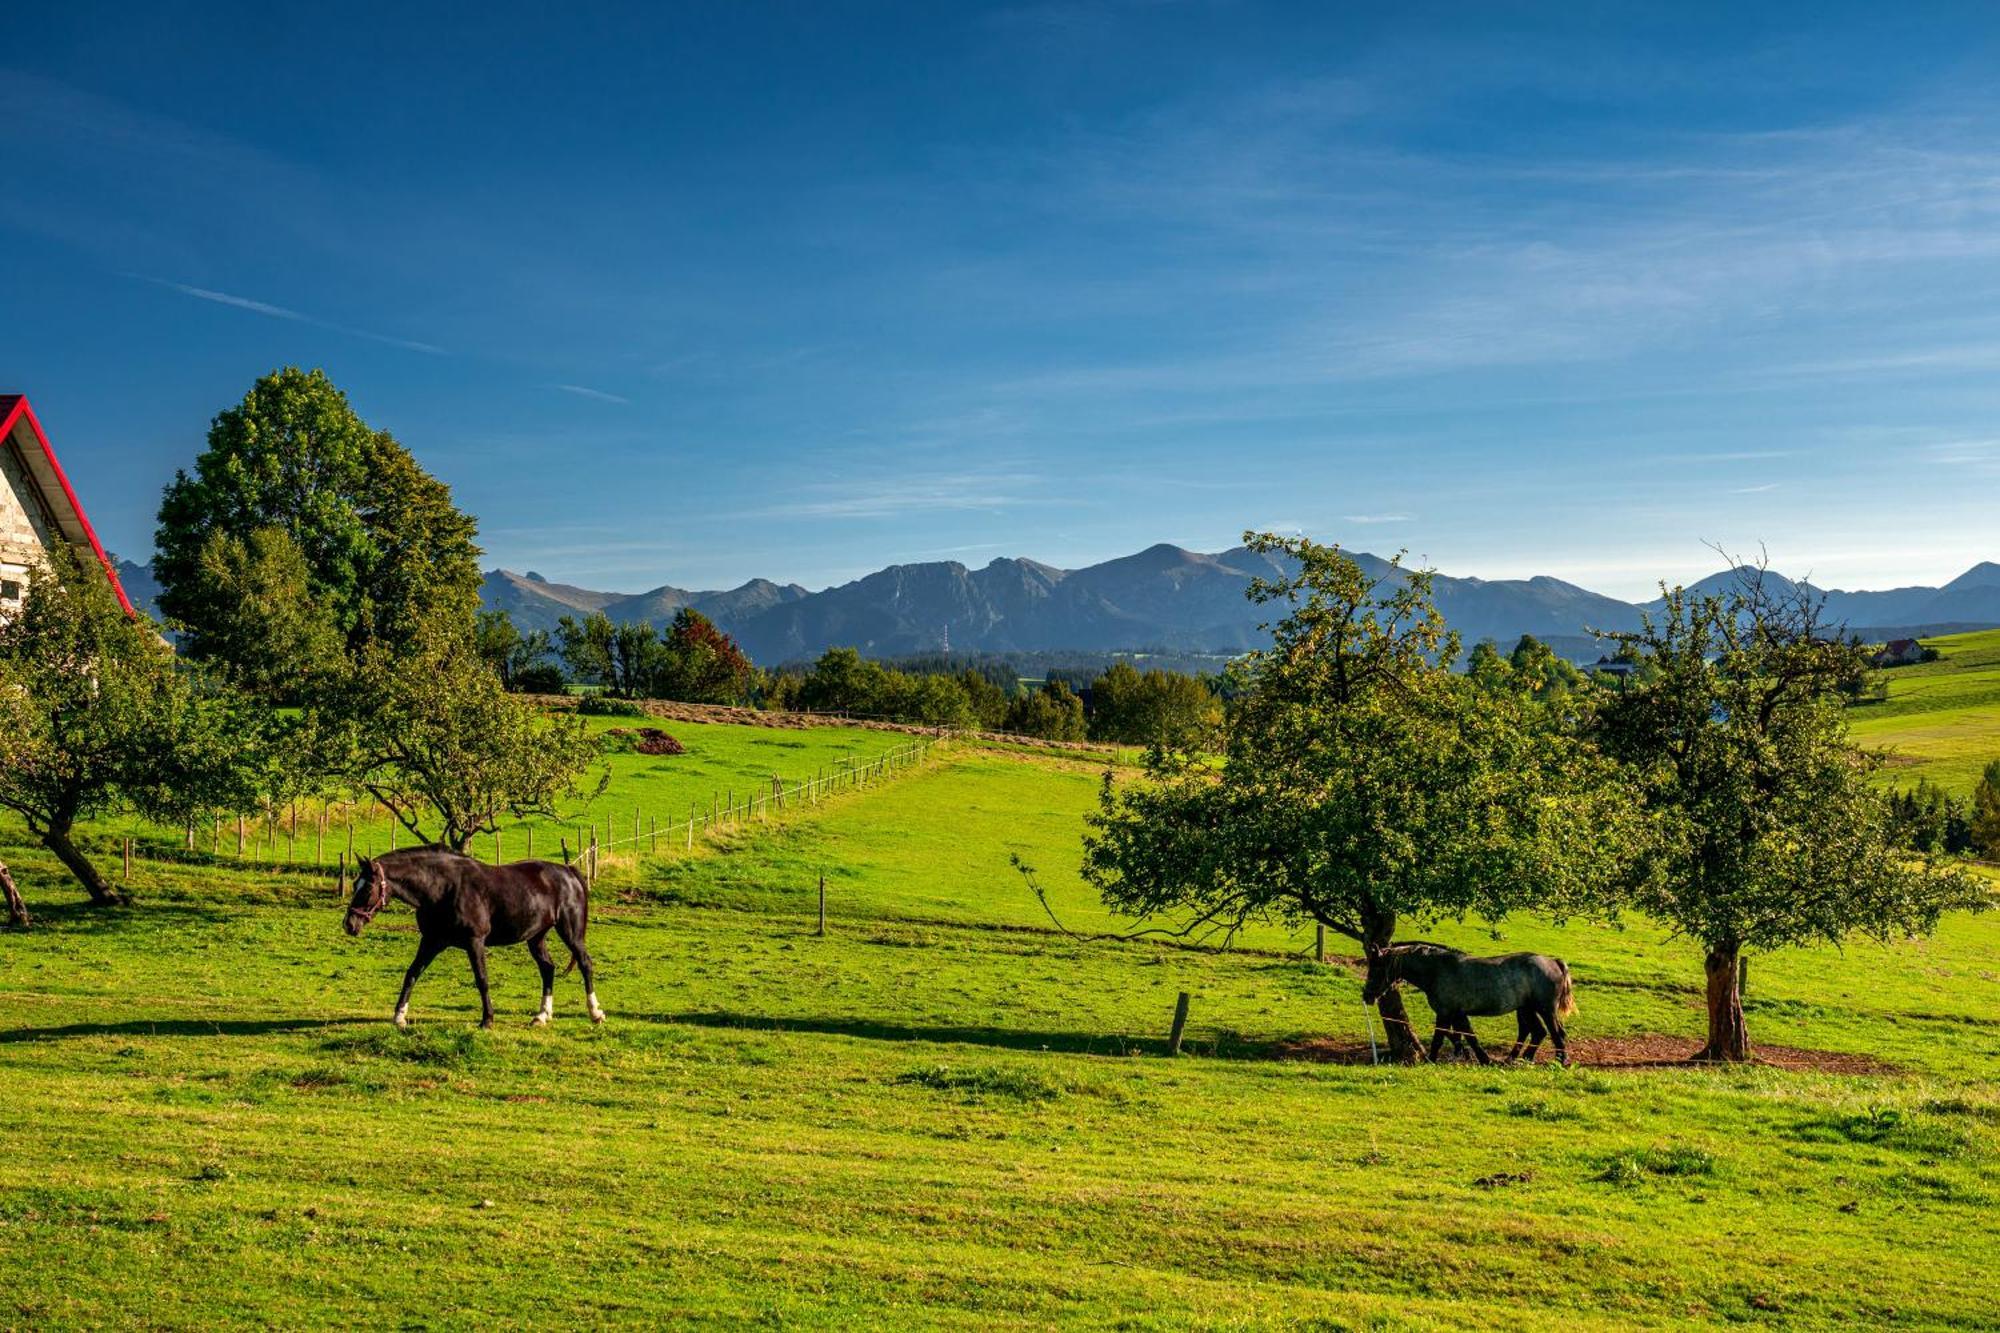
(945, 1114)
(1941, 719)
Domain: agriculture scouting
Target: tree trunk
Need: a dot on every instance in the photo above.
(17, 911)
(1397, 1029)
(1404, 1048)
(1728, 1038)
(57, 840)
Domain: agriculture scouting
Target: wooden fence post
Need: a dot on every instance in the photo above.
(496, 847)
(1180, 1024)
(128, 859)
(822, 902)
(239, 836)
(1742, 976)
(1319, 941)
(592, 877)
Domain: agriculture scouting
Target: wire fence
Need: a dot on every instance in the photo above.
(329, 837)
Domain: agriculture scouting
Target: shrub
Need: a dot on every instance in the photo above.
(602, 705)
(542, 678)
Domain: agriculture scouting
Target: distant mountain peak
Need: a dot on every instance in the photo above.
(1985, 574)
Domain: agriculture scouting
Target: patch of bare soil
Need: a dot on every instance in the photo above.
(1648, 1051)
(650, 740)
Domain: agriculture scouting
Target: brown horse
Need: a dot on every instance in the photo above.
(465, 904)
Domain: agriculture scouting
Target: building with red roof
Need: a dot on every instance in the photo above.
(38, 506)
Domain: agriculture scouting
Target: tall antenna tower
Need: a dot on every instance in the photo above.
(947, 638)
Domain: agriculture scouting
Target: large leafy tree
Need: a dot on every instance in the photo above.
(514, 656)
(1154, 707)
(262, 619)
(1764, 830)
(375, 542)
(702, 664)
(96, 716)
(1362, 783)
(1053, 712)
(428, 730)
(624, 658)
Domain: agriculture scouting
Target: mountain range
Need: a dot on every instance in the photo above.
(1161, 599)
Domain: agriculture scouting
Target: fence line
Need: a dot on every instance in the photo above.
(253, 835)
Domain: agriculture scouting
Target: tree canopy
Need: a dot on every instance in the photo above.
(1362, 782)
(428, 730)
(1763, 829)
(330, 525)
(96, 716)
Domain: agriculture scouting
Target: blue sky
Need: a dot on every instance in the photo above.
(698, 293)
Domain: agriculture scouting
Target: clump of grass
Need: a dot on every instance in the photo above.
(1542, 1108)
(318, 1076)
(1960, 1106)
(439, 1048)
(1889, 1127)
(1672, 1160)
(1021, 1085)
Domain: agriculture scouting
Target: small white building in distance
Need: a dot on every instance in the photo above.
(38, 507)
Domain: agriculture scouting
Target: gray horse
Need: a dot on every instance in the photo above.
(1532, 986)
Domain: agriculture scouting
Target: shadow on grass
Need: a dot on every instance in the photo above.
(83, 918)
(173, 1027)
(1228, 1046)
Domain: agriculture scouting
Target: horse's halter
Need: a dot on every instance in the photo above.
(378, 897)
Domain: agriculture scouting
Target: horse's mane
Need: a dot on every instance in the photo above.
(1423, 946)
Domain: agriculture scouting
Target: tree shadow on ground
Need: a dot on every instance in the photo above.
(1225, 1045)
(83, 918)
(172, 1027)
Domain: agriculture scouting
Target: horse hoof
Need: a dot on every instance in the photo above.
(402, 1024)
(597, 1015)
(539, 1021)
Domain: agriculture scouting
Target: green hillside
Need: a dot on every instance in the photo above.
(1941, 720)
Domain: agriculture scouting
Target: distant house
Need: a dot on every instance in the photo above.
(1898, 652)
(38, 507)
(1606, 666)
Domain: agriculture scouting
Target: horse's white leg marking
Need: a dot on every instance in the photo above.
(596, 1014)
(548, 1010)
(402, 1015)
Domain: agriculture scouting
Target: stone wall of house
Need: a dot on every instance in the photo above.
(26, 530)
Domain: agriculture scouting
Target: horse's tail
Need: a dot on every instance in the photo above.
(582, 911)
(1565, 996)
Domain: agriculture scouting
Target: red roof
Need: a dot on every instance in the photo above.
(18, 423)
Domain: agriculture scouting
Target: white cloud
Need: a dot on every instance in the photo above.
(595, 395)
(280, 312)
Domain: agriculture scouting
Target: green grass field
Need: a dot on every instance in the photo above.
(1941, 719)
(645, 793)
(945, 1114)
